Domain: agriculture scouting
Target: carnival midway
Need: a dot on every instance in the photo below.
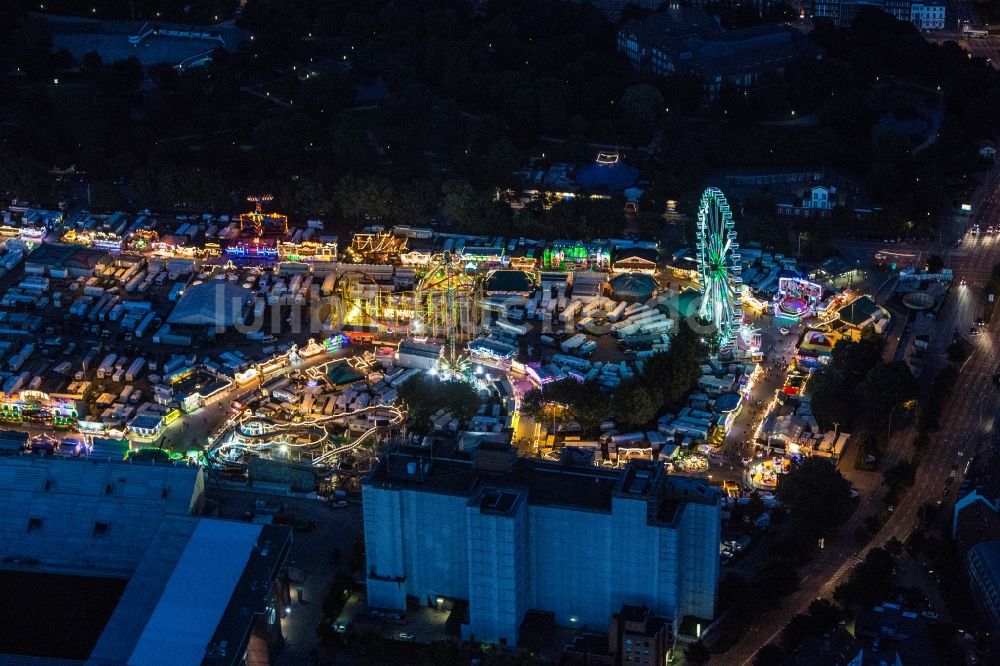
(318, 343)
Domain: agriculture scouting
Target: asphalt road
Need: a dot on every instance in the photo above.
(965, 425)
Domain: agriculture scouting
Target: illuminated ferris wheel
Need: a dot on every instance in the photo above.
(719, 268)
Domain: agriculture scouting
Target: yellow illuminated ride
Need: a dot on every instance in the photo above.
(446, 303)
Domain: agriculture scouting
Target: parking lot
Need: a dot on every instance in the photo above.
(309, 561)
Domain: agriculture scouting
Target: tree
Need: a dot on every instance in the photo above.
(697, 653)
(91, 63)
(901, 475)
(856, 358)
(462, 204)
(821, 618)
(120, 78)
(634, 403)
(642, 104)
(414, 201)
(817, 495)
(587, 403)
(870, 581)
(423, 395)
(675, 371)
(935, 263)
(365, 196)
(830, 402)
(770, 655)
(885, 387)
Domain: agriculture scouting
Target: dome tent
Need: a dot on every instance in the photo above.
(213, 303)
(633, 287)
(608, 173)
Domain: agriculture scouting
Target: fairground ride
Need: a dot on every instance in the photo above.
(445, 304)
(719, 272)
(309, 440)
(258, 222)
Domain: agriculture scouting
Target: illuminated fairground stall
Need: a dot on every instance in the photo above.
(140, 242)
(307, 250)
(576, 255)
(106, 240)
(376, 248)
(37, 408)
(797, 298)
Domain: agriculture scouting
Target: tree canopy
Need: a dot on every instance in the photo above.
(870, 581)
(423, 395)
(817, 494)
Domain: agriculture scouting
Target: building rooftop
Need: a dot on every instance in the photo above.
(545, 483)
(743, 50)
(340, 373)
(117, 508)
(212, 303)
(195, 593)
(633, 285)
(673, 24)
(647, 253)
(509, 281)
(858, 311)
(425, 349)
(58, 255)
(607, 175)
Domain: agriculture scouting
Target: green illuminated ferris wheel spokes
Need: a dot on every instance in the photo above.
(719, 267)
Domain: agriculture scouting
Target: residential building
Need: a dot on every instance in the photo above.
(635, 636)
(509, 535)
(614, 8)
(928, 15)
(687, 41)
(738, 58)
(117, 508)
(638, 637)
(664, 31)
(890, 634)
(819, 199)
(976, 515)
(983, 565)
(222, 581)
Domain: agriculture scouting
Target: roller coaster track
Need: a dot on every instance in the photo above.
(240, 436)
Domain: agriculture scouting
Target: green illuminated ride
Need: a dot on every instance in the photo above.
(719, 269)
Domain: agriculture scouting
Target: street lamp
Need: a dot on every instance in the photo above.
(906, 404)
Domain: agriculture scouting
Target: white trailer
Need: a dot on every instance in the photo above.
(570, 311)
(106, 365)
(133, 370)
(514, 329)
(572, 343)
(328, 282)
(144, 325)
(616, 314)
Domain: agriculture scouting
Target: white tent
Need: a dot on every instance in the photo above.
(212, 303)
